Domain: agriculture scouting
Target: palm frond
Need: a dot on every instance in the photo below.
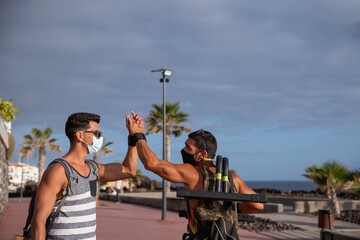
(54, 148)
(108, 144)
(154, 122)
(329, 174)
(105, 150)
(37, 133)
(28, 137)
(25, 152)
(47, 132)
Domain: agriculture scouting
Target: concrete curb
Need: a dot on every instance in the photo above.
(338, 235)
(314, 206)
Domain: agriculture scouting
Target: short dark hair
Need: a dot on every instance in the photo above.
(79, 121)
(204, 140)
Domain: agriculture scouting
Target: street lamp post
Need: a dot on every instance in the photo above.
(166, 73)
(22, 176)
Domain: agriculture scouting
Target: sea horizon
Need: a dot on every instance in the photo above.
(286, 186)
(283, 185)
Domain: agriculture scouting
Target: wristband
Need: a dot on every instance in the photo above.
(131, 141)
(138, 136)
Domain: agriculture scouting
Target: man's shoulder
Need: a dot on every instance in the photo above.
(189, 173)
(239, 183)
(55, 170)
(236, 177)
(55, 166)
(54, 178)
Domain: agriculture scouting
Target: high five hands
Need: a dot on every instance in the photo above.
(134, 124)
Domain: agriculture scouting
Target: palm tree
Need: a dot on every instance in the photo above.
(105, 151)
(135, 179)
(353, 182)
(25, 152)
(40, 140)
(174, 119)
(331, 177)
(356, 187)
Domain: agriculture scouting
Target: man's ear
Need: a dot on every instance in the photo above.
(204, 154)
(79, 136)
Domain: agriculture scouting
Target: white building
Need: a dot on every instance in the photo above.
(18, 171)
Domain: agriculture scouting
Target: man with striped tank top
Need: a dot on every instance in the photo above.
(77, 216)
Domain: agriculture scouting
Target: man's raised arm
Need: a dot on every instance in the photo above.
(180, 173)
(117, 171)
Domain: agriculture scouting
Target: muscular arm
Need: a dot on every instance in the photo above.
(246, 207)
(178, 173)
(117, 171)
(53, 181)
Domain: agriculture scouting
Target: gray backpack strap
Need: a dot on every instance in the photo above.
(72, 178)
(56, 213)
(94, 165)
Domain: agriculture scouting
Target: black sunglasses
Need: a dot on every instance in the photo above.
(202, 134)
(97, 133)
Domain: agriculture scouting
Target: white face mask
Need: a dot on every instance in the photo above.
(96, 145)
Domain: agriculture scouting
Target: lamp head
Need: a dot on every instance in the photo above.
(166, 72)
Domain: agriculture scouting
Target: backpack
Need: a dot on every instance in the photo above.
(222, 229)
(68, 191)
(216, 220)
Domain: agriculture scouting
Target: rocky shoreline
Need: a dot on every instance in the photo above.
(266, 225)
(352, 216)
(305, 194)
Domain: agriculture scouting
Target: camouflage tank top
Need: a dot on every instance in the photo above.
(201, 217)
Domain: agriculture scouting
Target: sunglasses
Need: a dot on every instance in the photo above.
(202, 134)
(97, 133)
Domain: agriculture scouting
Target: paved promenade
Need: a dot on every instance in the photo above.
(116, 221)
(307, 222)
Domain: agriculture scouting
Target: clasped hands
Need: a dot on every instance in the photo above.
(134, 124)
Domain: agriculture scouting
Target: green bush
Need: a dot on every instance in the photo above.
(7, 111)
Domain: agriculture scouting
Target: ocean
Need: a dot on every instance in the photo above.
(285, 186)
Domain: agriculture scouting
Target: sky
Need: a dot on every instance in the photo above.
(276, 82)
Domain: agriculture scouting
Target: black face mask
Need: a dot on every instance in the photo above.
(188, 158)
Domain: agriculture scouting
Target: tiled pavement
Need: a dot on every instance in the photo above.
(132, 222)
(115, 221)
(307, 222)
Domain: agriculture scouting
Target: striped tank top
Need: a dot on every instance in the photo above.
(77, 217)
